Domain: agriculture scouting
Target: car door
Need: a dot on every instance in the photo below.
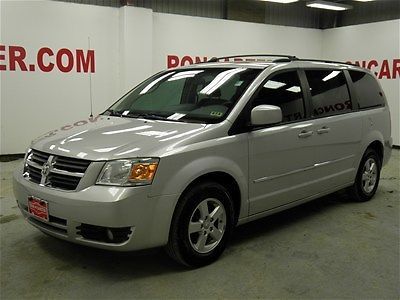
(281, 157)
(338, 127)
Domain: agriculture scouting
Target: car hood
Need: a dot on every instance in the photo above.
(106, 138)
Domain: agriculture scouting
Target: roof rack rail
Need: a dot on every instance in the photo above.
(285, 57)
(281, 58)
(326, 61)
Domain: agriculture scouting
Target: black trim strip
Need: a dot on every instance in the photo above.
(11, 157)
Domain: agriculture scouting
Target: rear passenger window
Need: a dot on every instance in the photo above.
(283, 90)
(330, 95)
(367, 90)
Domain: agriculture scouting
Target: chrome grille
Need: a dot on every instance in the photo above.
(39, 157)
(54, 171)
(34, 173)
(71, 164)
(64, 182)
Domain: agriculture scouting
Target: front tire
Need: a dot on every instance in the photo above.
(202, 224)
(368, 176)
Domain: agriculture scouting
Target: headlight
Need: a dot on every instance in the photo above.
(128, 172)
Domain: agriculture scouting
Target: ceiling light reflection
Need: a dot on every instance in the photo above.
(328, 5)
(294, 89)
(81, 154)
(219, 80)
(333, 74)
(128, 129)
(64, 150)
(186, 74)
(127, 152)
(103, 150)
(272, 84)
(154, 82)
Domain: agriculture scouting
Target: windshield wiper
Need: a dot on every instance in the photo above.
(114, 113)
(149, 116)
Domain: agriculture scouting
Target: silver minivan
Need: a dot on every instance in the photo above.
(192, 152)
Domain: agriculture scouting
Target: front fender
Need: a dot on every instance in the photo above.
(177, 171)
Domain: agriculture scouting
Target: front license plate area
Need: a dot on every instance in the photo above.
(38, 208)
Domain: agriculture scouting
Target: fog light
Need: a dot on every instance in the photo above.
(113, 235)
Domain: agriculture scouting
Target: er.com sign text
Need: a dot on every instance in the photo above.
(46, 59)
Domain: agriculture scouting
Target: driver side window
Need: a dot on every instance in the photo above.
(283, 90)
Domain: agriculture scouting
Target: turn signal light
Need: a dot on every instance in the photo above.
(143, 172)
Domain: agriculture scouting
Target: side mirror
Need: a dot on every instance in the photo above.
(265, 115)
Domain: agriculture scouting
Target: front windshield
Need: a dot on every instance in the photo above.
(190, 95)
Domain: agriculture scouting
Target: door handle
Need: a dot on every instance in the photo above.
(305, 133)
(323, 130)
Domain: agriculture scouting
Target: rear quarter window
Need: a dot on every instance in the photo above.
(329, 92)
(368, 91)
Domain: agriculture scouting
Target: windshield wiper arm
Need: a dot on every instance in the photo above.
(148, 116)
(114, 113)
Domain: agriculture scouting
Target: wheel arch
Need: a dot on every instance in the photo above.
(373, 140)
(378, 147)
(226, 180)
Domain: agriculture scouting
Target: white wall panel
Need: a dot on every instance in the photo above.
(136, 46)
(194, 36)
(35, 102)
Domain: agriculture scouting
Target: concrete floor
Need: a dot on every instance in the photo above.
(328, 248)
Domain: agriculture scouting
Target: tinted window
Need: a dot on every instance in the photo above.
(283, 90)
(164, 96)
(192, 95)
(329, 92)
(367, 90)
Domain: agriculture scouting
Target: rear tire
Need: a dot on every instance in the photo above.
(201, 225)
(368, 175)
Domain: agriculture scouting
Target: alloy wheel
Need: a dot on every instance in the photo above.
(369, 175)
(207, 225)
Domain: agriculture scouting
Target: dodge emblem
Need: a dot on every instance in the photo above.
(46, 169)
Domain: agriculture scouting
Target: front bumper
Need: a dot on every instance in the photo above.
(148, 218)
